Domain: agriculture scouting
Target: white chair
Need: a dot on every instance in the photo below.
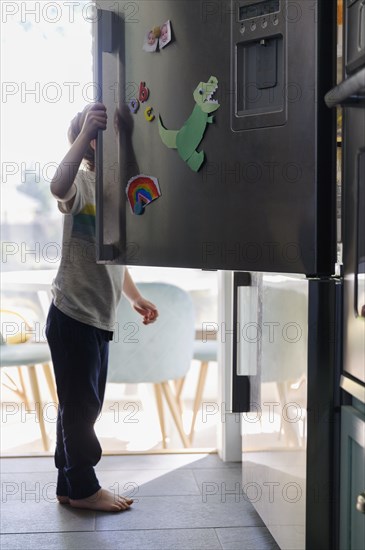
(29, 354)
(158, 353)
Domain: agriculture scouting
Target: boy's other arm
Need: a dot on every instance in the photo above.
(130, 290)
(145, 308)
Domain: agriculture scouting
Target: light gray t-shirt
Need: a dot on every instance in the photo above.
(84, 290)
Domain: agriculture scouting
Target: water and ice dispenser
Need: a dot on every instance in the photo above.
(259, 73)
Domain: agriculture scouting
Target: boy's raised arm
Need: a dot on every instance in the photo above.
(62, 183)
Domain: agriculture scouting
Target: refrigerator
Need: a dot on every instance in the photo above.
(220, 154)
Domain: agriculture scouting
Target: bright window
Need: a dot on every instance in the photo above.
(46, 72)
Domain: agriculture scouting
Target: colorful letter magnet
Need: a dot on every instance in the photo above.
(133, 105)
(148, 114)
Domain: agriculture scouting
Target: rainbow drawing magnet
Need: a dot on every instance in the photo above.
(141, 190)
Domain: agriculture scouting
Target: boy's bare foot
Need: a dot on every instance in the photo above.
(63, 500)
(102, 500)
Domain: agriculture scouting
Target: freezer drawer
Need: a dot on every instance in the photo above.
(274, 433)
(289, 427)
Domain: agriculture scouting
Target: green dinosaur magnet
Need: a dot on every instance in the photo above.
(187, 139)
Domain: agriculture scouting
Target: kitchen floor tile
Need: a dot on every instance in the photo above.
(246, 538)
(173, 539)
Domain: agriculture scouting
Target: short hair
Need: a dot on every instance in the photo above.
(75, 129)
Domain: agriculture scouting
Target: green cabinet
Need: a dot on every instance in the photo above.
(352, 528)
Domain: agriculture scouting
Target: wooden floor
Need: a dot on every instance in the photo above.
(182, 501)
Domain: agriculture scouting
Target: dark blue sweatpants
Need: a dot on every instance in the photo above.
(80, 359)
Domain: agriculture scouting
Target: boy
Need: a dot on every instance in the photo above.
(81, 320)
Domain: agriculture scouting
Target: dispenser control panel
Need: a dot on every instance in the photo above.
(264, 7)
(259, 50)
(259, 15)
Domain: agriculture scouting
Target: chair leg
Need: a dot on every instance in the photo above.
(22, 383)
(198, 396)
(158, 394)
(20, 392)
(38, 403)
(174, 409)
(179, 384)
(50, 381)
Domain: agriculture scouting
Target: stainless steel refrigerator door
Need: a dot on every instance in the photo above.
(350, 95)
(354, 240)
(263, 200)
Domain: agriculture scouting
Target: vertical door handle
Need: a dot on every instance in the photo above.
(103, 44)
(240, 383)
(359, 271)
(360, 503)
(361, 33)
